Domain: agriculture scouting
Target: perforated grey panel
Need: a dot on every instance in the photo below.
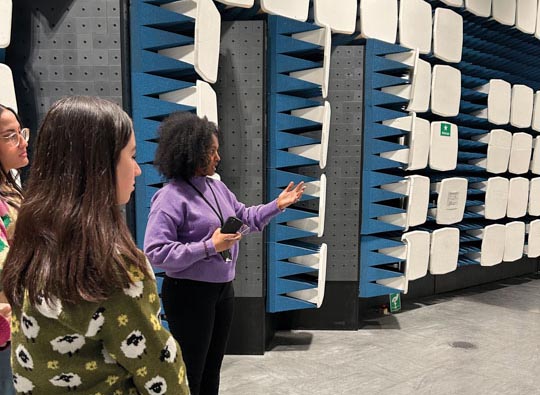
(64, 47)
(343, 173)
(240, 96)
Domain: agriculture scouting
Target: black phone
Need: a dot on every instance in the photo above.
(232, 225)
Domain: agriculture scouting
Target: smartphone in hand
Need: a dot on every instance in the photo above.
(232, 225)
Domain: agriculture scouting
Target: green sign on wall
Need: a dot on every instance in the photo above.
(395, 302)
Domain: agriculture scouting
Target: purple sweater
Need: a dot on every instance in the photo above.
(180, 220)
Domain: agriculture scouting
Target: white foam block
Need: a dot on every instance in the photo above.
(498, 154)
(479, 7)
(518, 197)
(534, 197)
(496, 200)
(417, 262)
(453, 3)
(520, 153)
(7, 87)
(533, 241)
(379, 19)
(447, 35)
(6, 11)
(415, 25)
(504, 11)
(451, 200)
(443, 146)
(492, 250)
(521, 108)
(418, 200)
(420, 87)
(536, 108)
(445, 91)
(419, 143)
(526, 12)
(297, 9)
(514, 241)
(499, 102)
(444, 251)
(340, 19)
(535, 161)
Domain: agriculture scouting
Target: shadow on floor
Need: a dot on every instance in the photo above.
(374, 318)
(291, 341)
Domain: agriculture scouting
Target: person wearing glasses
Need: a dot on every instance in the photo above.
(183, 238)
(85, 316)
(13, 156)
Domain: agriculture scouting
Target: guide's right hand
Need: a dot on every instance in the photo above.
(224, 241)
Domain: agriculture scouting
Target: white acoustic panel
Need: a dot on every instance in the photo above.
(341, 19)
(521, 108)
(418, 88)
(201, 96)
(499, 101)
(415, 25)
(317, 75)
(504, 11)
(479, 7)
(447, 35)
(534, 197)
(535, 161)
(518, 197)
(443, 146)
(520, 153)
(379, 19)
(533, 242)
(492, 248)
(499, 144)
(453, 3)
(526, 13)
(445, 91)
(6, 11)
(317, 260)
(416, 155)
(321, 114)
(297, 9)
(496, 198)
(238, 3)
(536, 109)
(204, 53)
(444, 251)
(451, 199)
(7, 87)
(514, 241)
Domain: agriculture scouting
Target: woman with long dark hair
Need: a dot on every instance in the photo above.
(84, 299)
(13, 156)
(184, 238)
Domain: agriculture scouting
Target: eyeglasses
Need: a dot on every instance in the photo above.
(14, 139)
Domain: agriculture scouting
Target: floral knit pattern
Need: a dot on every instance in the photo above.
(7, 216)
(116, 347)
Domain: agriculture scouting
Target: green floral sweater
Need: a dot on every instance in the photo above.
(116, 347)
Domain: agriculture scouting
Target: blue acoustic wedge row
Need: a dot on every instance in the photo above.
(298, 135)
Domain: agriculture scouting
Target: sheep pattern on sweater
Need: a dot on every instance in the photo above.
(115, 347)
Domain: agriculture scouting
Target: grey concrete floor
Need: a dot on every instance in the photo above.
(483, 340)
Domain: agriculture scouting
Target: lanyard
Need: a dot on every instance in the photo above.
(219, 214)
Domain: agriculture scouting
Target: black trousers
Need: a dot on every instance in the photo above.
(200, 316)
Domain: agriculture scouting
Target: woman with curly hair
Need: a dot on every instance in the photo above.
(184, 238)
(13, 143)
(84, 298)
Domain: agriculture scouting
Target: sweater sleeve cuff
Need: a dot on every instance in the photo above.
(277, 209)
(209, 248)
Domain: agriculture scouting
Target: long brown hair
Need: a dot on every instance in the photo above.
(71, 241)
(10, 191)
